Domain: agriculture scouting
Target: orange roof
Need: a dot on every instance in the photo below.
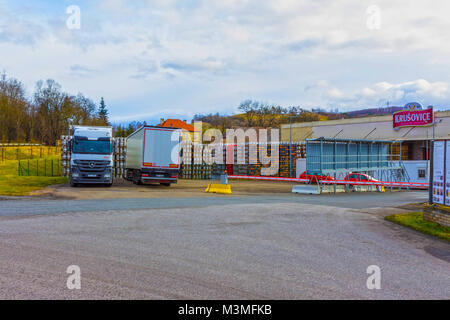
(176, 123)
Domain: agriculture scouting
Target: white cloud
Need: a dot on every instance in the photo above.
(428, 93)
(335, 94)
(208, 55)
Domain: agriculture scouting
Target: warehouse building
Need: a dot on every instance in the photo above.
(414, 140)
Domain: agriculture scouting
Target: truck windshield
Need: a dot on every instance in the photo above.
(92, 146)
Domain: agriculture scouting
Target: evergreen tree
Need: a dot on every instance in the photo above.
(103, 112)
(130, 129)
(119, 132)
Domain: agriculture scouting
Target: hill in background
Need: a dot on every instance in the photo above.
(257, 114)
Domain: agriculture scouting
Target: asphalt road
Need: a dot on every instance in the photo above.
(277, 247)
(343, 200)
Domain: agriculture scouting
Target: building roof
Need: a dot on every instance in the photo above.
(385, 118)
(376, 128)
(176, 123)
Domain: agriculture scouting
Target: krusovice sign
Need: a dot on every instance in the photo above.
(413, 118)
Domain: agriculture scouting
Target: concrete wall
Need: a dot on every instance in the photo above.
(438, 216)
(417, 150)
(412, 168)
(300, 167)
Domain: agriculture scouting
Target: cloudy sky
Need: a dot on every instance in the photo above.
(175, 58)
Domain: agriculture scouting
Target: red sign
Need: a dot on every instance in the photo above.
(408, 118)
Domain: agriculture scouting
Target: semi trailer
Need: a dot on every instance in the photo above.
(153, 155)
(91, 155)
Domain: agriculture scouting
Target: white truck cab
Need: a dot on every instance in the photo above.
(91, 155)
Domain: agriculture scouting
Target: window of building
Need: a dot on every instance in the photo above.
(421, 173)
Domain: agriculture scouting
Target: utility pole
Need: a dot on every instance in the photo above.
(69, 121)
(290, 146)
(434, 124)
(430, 185)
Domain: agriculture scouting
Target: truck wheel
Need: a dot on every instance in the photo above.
(73, 184)
(128, 175)
(108, 185)
(165, 184)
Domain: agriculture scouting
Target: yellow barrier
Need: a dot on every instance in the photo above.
(218, 188)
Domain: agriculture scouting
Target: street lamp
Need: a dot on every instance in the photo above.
(69, 121)
(290, 146)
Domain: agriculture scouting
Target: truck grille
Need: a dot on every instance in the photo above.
(92, 165)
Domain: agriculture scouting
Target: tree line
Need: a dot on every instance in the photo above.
(45, 116)
(126, 130)
(259, 114)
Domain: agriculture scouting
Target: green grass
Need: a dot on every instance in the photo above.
(415, 221)
(22, 186)
(11, 184)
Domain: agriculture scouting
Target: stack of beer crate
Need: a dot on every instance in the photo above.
(284, 162)
(197, 153)
(197, 163)
(301, 150)
(193, 165)
(254, 169)
(185, 172)
(196, 167)
(65, 156)
(120, 149)
(274, 164)
(186, 166)
(217, 170)
(206, 171)
(254, 165)
(200, 171)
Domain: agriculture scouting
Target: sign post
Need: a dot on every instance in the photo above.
(447, 174)
(438, 173)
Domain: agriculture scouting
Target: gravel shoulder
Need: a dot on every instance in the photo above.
(184, 188)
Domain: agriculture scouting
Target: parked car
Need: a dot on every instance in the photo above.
(314, 178)
(356, 176)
